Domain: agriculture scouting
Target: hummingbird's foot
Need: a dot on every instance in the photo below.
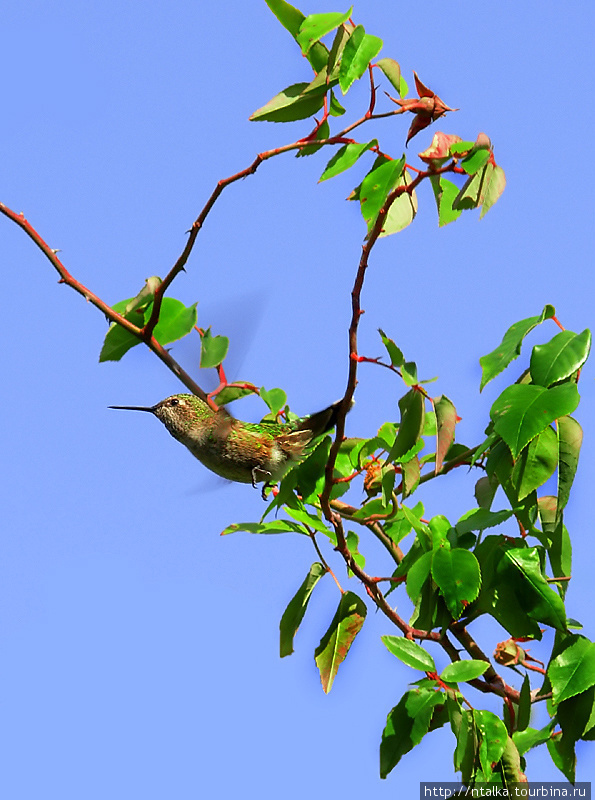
(259, 475)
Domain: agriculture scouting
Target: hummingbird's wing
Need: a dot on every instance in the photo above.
(293, 443)
(321, 421)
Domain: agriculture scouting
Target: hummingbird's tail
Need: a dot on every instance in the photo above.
(322, 421)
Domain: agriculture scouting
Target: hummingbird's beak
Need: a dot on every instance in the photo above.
(135, 408)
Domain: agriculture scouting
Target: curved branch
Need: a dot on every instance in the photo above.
(91, 297)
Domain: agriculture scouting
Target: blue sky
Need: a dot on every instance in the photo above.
(140, 649)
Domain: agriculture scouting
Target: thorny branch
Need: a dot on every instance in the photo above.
(91, 297)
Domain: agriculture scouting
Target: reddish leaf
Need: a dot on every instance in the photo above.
(446, 419)
(440, 147)
(428, 107)
(335, 644)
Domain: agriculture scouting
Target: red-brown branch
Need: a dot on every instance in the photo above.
(491, 682)
(91, 297)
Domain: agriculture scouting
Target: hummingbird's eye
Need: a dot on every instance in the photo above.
(174, 401)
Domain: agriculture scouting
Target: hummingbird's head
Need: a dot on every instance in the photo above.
(178, 413)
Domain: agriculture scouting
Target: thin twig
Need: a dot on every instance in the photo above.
(324, 562)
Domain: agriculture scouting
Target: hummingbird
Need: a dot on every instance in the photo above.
(245, 452)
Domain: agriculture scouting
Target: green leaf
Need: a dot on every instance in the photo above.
(288, 15)
(458, 576)
(493, 739)
(528, 738)
(574, 715)
(536, 463)
(572, 671)
(510, 347)
(563, 756)
(461, 671)
(409, 652)
(485, 491)
(439, 528)
(397, 359)
(480, 518)
(559, 358)
(475, 160)
(445, 193)
(213, 349)
(341, 36)
(289, 105)
(319, 85)
(409, 373)
(335, 643)
(499, 598)
(413, 516)
(175, 321)
(570, 439)
(467, 746)
(315, 26)
(457, 148)
(345, 158)
(322, 132)
(430, 611)
(470, 196)
(118, 341)
(495, 183)
(446, 419)
(312, 520)
(352, 542)
(336, 109)
(292, 19)
(359, 50)
(278, 526)
(524, 707)
(377, 185)
(412, 410)
(406, 725)
(519, 570)
(512, 772)
(559, 547)
(418, 574)
(430, 424)
(392, 71)
(589, 731)
(310, 473)
(294, 613)
(231, 392)
(274, 398)
(523, 411)
(387, 480)
(481, 189)
(402, 210)
(398, 527)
